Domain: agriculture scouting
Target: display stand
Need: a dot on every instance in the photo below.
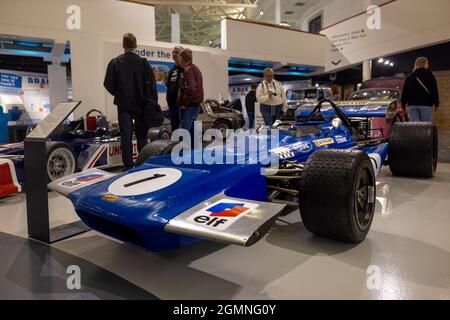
(36, 179)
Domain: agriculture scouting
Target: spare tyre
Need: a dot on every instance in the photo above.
(413, 149)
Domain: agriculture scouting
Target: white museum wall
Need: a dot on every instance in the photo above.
(261, 42)
(335, 11)
(101, 21)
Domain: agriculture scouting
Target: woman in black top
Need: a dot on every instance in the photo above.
(420, 92)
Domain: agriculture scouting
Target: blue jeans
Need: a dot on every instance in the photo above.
(187, 117)
(271, 113)
(420, 113)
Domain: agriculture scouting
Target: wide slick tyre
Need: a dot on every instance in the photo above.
(413, 150)
(154, 149)
(337, 195)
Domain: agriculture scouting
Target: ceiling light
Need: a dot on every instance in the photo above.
(392, 64)
(261, 13)
(381, 60)
(387, 62)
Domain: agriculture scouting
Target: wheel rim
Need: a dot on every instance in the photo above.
(165, 136)
(60, 163)
(364, 199)
(223, 129)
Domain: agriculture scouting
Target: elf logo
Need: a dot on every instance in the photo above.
(222, 214)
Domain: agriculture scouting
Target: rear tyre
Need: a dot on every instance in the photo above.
(337, 195)
(61, 160)
(413, 149)
(154, 149)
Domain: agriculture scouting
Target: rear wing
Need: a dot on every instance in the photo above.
(354, 109)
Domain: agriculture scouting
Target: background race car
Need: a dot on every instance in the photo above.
(90, 142)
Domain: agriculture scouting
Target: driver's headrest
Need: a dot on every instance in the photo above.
(90, 123)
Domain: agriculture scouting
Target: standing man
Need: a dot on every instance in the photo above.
(173, 89)
(191, 91)
(250, 100)
(130, 79)
(420, 92)
(272, 97)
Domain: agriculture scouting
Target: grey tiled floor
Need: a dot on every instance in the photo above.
(409, 245)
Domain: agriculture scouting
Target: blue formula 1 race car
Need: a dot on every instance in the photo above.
(327, 168)
(89, 142)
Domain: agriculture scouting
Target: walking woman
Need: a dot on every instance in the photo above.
(272, 98)
(420, 92)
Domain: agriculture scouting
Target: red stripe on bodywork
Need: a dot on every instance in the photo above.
(96, 158)
(7, 186)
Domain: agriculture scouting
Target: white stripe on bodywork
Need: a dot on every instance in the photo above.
(97, 154)
(12, 169)
(375, 158)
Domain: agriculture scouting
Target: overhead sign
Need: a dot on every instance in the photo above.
(386, 30)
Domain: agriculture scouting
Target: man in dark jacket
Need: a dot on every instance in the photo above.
(191, 91)
(173, 89)
(130, 79)
(420, 92)
(250, 100)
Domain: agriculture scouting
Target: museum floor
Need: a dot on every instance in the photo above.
(408, 247)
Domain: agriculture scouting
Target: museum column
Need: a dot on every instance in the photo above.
(367, 70)
(57, 76)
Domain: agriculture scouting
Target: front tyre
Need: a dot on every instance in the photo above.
(337, 195)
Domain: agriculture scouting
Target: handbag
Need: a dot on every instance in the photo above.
(153, 115)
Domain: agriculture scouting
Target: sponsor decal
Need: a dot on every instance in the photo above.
(351, 103)
(222, 214)
(110, 198)
(284, 153)
(340, 139)
(323, 142)
(289, 152)
(303, 147)
(74, 182)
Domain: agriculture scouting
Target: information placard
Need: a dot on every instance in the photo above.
(53, 120)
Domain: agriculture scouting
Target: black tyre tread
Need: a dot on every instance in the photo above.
(155, 148)
(411, 149)
(326, 194)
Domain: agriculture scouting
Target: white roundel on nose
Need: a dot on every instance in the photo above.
(376, 162)
(145, 181)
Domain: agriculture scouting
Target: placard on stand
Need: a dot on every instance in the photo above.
(37, 178)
